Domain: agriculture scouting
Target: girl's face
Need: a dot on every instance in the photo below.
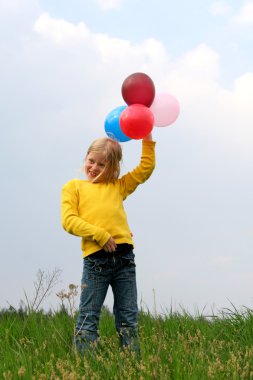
(94, 165)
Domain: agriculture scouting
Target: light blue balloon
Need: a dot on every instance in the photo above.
(112, 125)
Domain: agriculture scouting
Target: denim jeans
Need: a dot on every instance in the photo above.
(99, 271)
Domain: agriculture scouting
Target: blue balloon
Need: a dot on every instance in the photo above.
(112, 125)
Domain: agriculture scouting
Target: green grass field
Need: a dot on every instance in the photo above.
(37, 345)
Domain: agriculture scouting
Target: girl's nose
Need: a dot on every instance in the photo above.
(95, 166)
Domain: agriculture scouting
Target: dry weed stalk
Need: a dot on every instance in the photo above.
(43, 286)
(70, 296)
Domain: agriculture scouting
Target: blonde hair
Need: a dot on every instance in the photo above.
(112, 152)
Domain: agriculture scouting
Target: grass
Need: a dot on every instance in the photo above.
(37, 345)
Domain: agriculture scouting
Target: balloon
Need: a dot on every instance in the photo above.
(165, 108)
(138, 88)
(136, 121)
(112, 126)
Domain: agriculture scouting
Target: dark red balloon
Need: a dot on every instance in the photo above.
(138, 88)
(136, 121)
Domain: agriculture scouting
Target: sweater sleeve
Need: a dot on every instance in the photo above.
(142, 172)
(71, 221)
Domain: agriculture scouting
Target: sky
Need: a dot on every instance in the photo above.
(62, 65)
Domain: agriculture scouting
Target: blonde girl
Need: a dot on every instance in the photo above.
(93, 209)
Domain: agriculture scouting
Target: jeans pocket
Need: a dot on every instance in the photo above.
(128, 259)
(95, 263)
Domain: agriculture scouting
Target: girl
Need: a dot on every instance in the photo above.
(93, 209)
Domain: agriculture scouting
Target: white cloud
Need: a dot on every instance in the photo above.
(150, 51)
(64, 33)
(245, 15)
(220, 8)
(243, 92)
(60, 31)
(194, 78)
(201, 62)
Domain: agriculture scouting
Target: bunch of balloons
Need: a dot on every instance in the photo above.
(144, 109)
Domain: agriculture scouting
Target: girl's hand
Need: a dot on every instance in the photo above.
(148, 137)
(110, 245)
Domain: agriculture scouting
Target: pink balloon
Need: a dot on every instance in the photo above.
(165, 108)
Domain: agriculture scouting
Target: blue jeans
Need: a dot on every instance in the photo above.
(99, 271)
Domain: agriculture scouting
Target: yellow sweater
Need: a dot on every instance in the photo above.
(95, 211)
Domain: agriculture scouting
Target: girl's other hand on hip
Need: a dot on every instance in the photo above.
(110, 245)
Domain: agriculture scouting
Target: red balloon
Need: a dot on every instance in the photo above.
(136, 121)
(138, 88)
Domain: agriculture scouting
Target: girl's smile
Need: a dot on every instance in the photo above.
(94, 166)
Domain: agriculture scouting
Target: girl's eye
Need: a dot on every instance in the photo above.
(102, 165)
(91, 161)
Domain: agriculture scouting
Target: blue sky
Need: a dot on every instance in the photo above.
(61, 70)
